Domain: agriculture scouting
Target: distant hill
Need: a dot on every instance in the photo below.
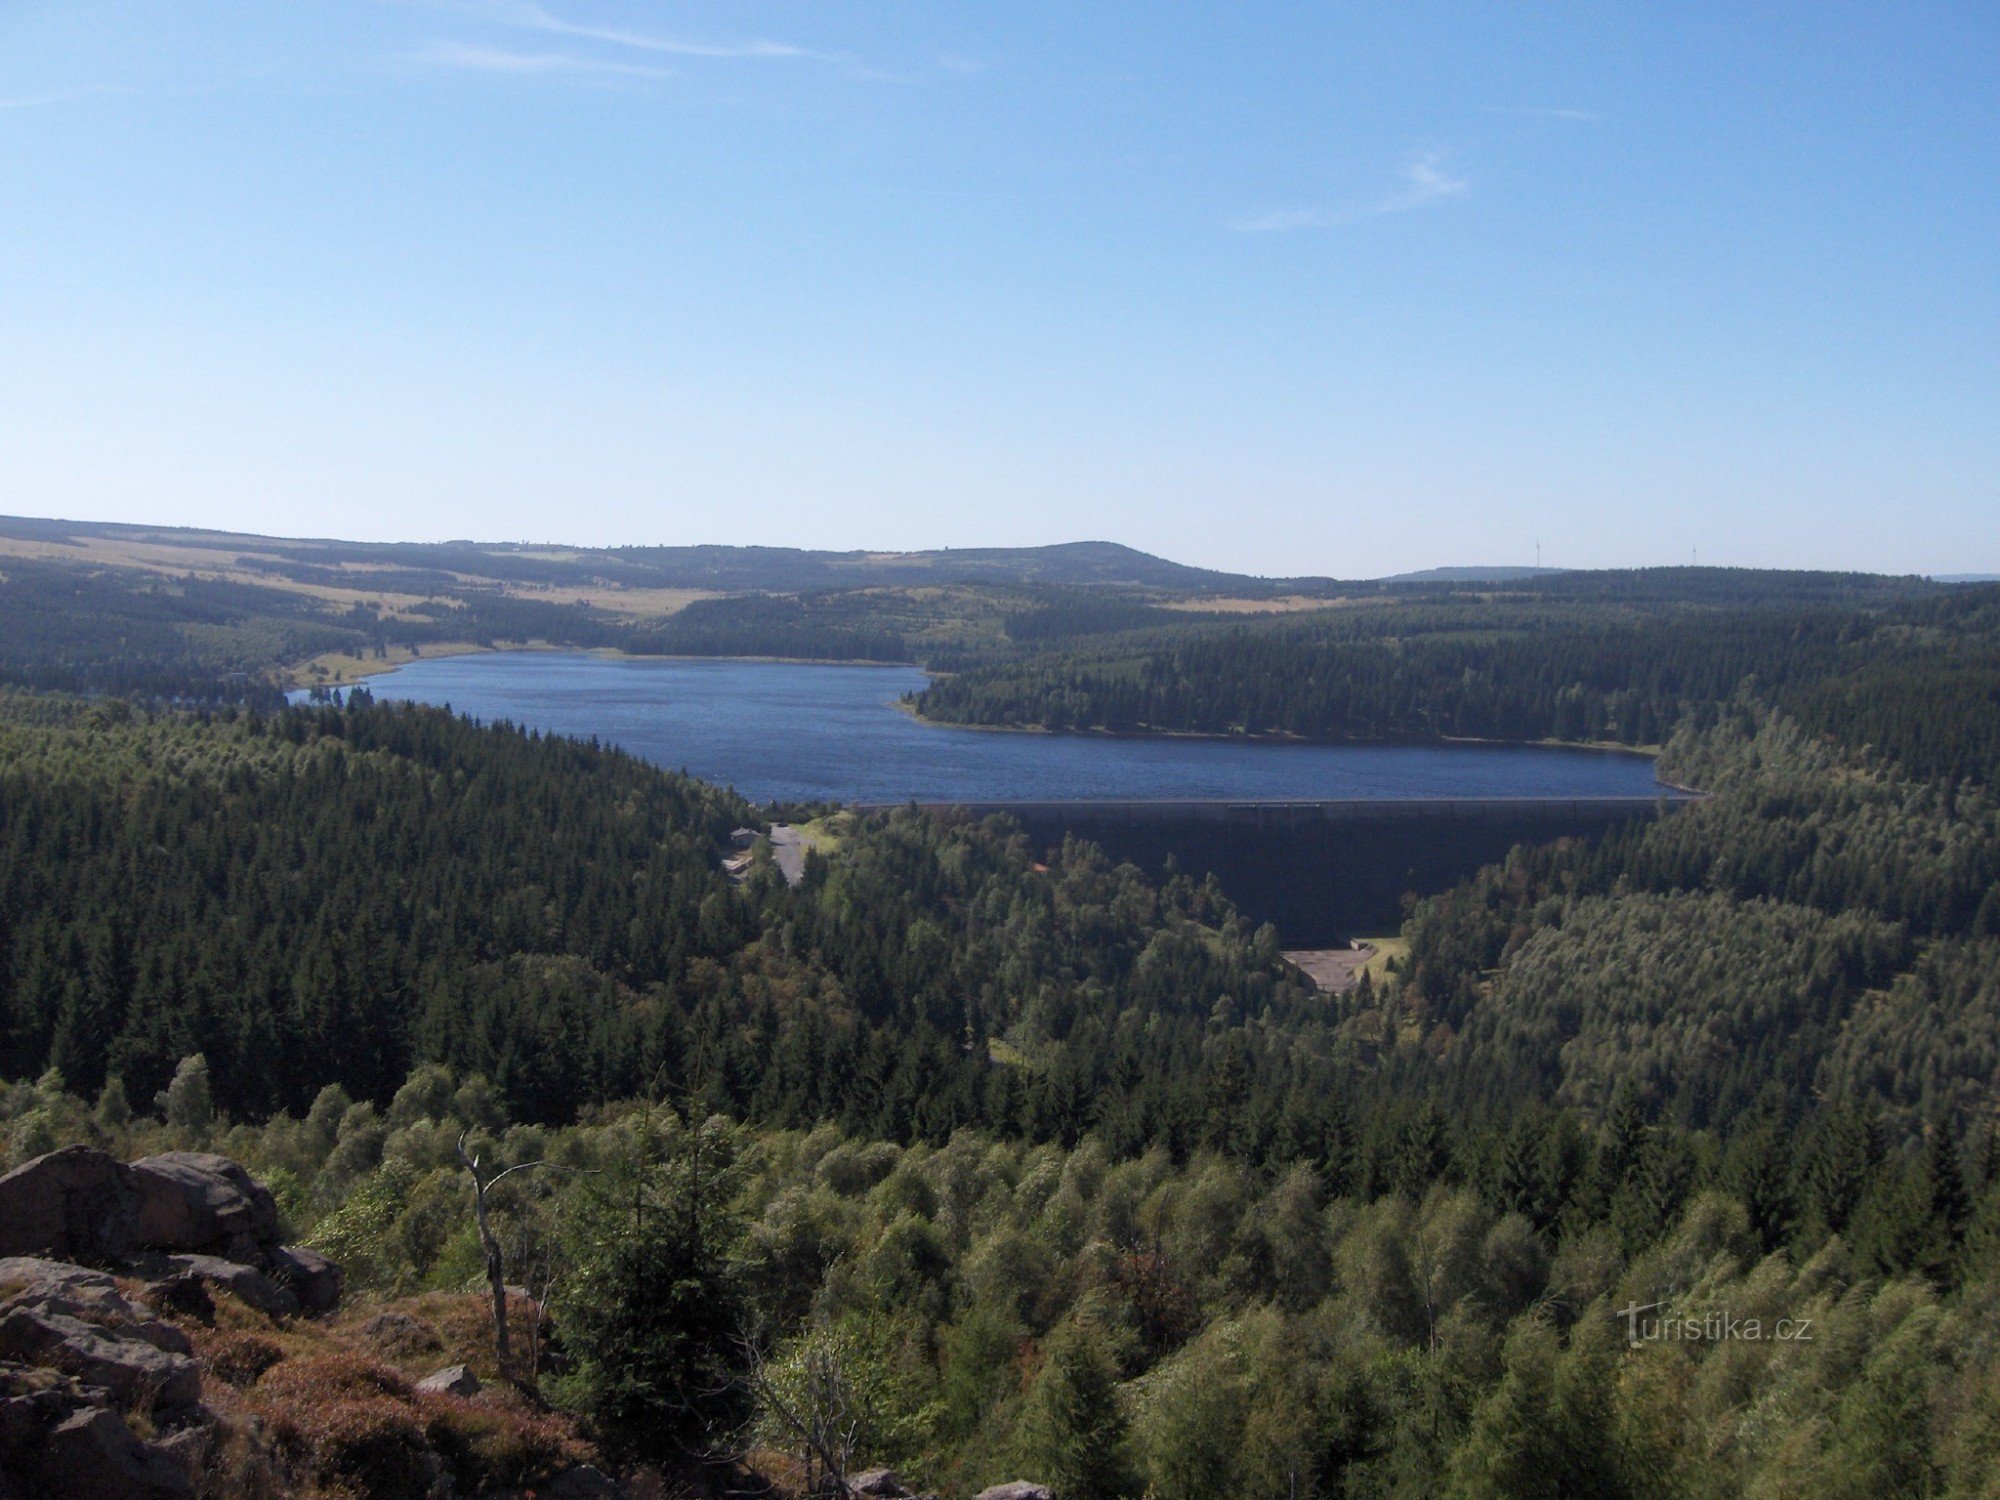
(1469, 575)
(424, 567)
(182, 613)
(1072, 563)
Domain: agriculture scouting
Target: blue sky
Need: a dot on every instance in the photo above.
(1295, 288)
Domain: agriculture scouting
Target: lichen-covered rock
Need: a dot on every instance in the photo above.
(93, 1455)
(76, 1202)
(197, 1201)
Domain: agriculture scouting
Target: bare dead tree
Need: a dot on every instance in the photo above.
(489, 1243)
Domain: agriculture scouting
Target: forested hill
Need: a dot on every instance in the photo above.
(336, 895)
(1062, 1169)
(1074, 636)
(1581, 658)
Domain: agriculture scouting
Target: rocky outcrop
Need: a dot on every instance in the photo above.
(250, 1285)
(92, 1455)
(77, 1352)
(79, 1203)
(204, 1204)
(181, 1214)
(131, 1370)
(309, 1276)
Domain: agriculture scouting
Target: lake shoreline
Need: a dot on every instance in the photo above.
(443, 650)
(793, 731)
(1607, 747)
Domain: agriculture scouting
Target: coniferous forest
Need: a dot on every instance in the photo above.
(1025, 1166)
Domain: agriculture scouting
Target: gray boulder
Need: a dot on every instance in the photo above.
(309, 1276)
(1017, 1489)
(93, 1455)
(882, 1484)
(452, 1380)
(198, 1201)
(25, 1278)
(31, 1402)
(131, 1369)
(49, 1286)
(192, 1217)
(250, 1285)
(78, 1201)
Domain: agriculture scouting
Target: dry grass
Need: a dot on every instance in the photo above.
(235, 559)
(307, 1408)
(348, 1423)
(639, 603)
(462, 1322)
(218, 562)
(234, 1355)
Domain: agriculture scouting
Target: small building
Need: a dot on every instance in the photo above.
(743, 838)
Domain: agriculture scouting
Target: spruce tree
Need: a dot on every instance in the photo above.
(1073, 1430)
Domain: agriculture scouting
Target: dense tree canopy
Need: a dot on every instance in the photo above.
(1032, 1163)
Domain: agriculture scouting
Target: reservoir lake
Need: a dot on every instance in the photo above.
(792, 731)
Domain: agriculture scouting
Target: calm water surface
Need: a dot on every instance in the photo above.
(793, 731)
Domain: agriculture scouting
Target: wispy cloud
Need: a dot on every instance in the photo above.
(527, 15)
(1426, 179)
(499, 60)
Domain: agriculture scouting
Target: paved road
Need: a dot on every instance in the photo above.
(788, 848)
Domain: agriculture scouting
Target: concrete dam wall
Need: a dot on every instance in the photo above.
(1322, 872)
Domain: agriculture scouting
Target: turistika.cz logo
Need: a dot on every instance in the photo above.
(1706, 1328)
